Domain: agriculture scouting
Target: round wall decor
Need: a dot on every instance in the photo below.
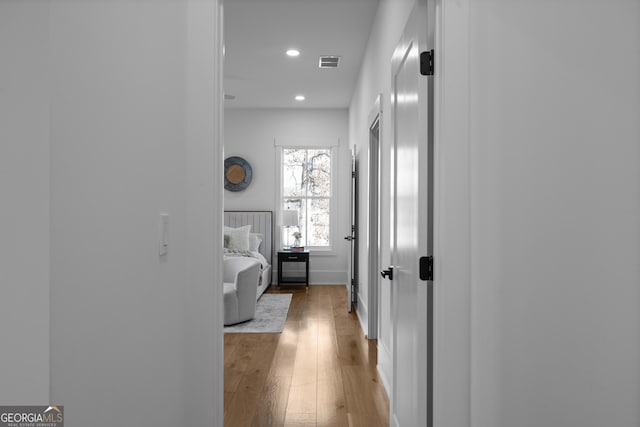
(237, 173)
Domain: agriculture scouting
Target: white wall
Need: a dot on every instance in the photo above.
(24, 190)
(252, 134)
(554, 162)
(555, 193)
(129, 140)
(538, 207)
(375, 79)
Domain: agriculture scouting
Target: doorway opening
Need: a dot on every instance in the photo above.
(276, 95)
(374, 218)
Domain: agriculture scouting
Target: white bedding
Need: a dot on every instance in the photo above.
(252, 254)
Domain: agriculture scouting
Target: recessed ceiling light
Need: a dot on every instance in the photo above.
(293, 52)
(300, 98)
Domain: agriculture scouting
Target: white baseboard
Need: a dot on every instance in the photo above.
(363, 315)
(322, 277)
(384, 364)
(362, 319)
(327, 277)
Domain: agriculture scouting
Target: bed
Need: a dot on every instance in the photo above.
(261, 223)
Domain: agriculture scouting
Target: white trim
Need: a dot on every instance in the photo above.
(307, 143)
(277, 203)
(384, 359)
(375, 119)
(361, 313)
(453, 388)
(322, 277)
(322, 251)
(203, 300)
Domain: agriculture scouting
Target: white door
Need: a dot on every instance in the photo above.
(411, 401)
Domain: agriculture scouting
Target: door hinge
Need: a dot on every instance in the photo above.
(426, 63)
(426, 268)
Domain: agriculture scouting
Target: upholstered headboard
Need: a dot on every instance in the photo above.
(260, 221)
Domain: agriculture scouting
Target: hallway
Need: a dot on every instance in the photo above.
(320, 371)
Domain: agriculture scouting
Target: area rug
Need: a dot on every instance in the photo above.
(271, 312)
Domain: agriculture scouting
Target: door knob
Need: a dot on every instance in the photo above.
(387, 274)
(349, 238)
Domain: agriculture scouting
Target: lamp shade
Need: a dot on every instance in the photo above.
(289, 218)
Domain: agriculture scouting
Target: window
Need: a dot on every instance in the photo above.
(307, 187)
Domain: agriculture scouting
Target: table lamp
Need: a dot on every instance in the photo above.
(289, 218)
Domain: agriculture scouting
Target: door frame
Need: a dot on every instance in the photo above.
(203, 401)
(375, 157)
(454, 361)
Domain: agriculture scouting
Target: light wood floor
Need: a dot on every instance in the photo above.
(320, 371)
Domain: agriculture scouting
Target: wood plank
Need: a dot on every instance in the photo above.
(272, 407)
(332, 403)
(358, 389)
(300, 420)
(285, 355)
(302, 397)
(349, 350)
(320, 371)
(239, 359)
(245, 400)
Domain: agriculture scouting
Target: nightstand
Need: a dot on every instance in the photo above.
(287, 257)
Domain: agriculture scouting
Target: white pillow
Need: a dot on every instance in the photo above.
(238, 238)
(254, 241)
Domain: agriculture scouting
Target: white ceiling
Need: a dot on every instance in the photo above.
(258, 32)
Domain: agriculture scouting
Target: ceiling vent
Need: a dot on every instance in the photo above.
(329, 61)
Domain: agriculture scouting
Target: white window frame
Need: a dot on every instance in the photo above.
(333, 200)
